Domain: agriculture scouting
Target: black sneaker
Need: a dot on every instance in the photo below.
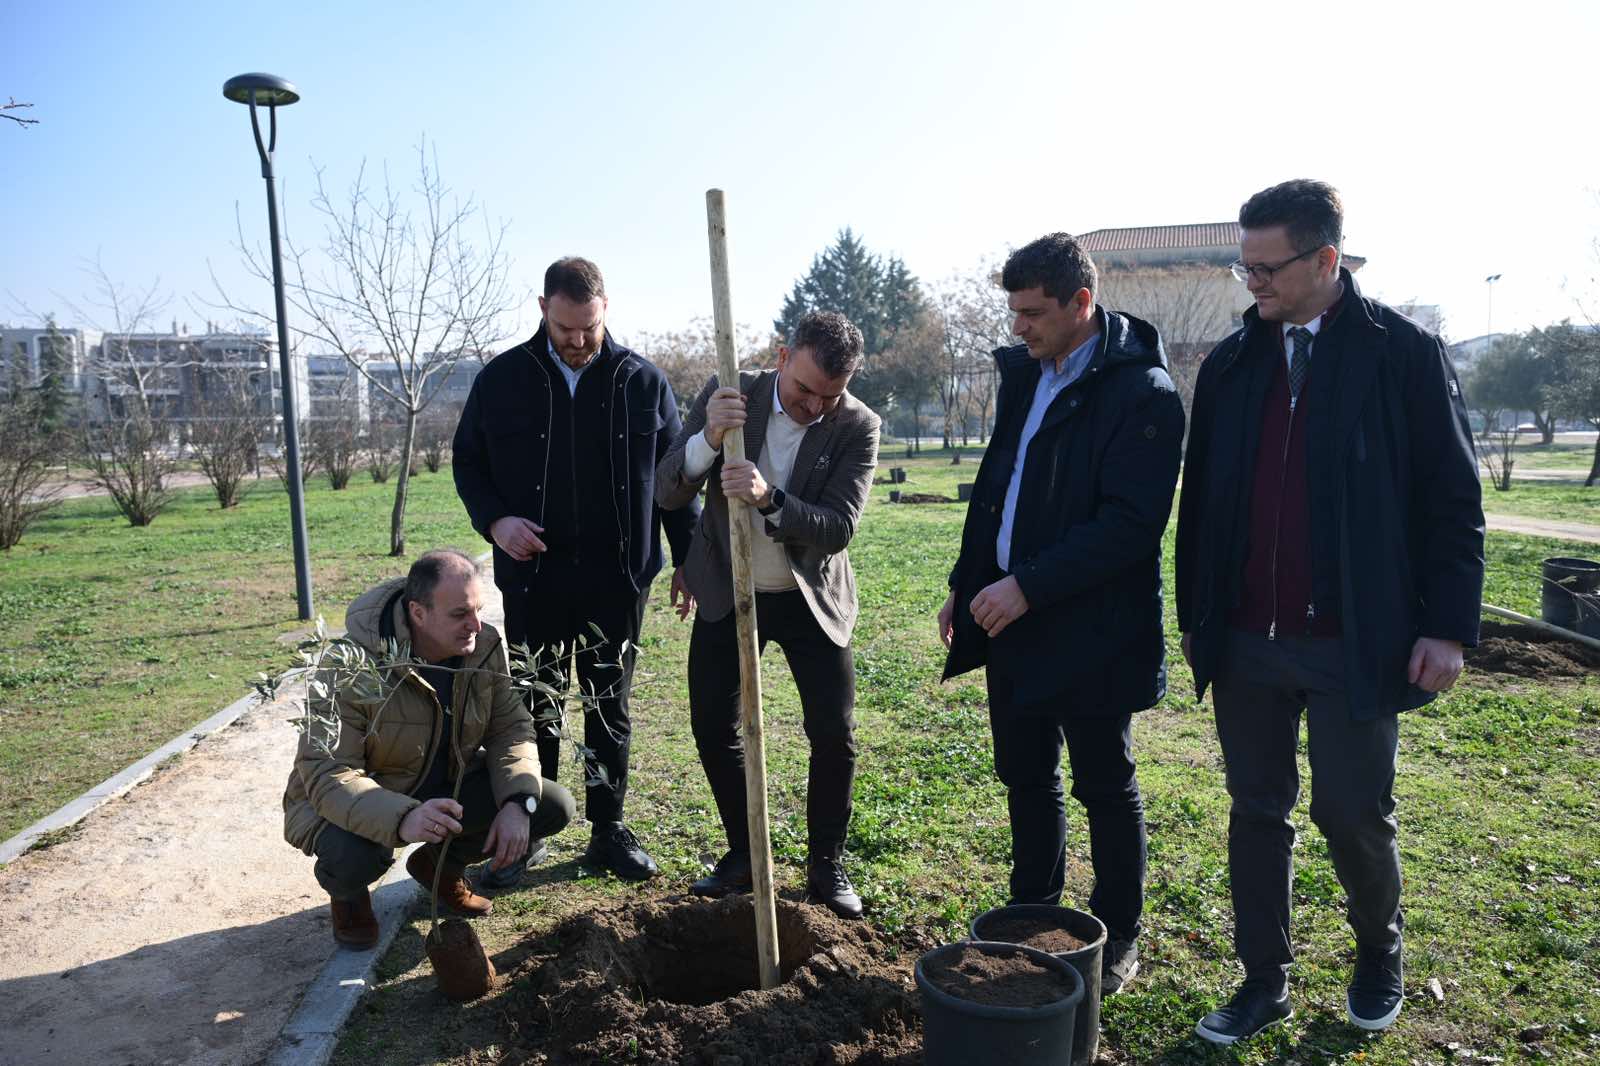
(1377, 989)
(732, 874)
(511, 876)
(830, 886)
(1251, 1010)
(1119, 964)
(614, 847)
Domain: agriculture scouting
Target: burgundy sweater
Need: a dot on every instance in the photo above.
(1276, 591)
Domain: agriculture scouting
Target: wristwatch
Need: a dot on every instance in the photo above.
(774, 502)
(529, 803)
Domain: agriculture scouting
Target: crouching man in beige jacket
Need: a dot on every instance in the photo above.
(383, 777)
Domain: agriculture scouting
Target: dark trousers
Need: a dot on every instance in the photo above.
(348, 863)
(1260, 692)
(1027, 759)
(824, 674)
(563, 605)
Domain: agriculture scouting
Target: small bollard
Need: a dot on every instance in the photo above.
(894, 495)
(897, 475)
(964, 491)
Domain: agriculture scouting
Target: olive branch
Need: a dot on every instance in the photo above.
(333, 666)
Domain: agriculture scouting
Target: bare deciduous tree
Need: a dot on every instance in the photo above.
(381, 446)
(225, 431)
(11, 105)
(435, 431)
(27, 450)
(335, 444)
(689, 356)
(1187, 303)
(129, 441)
(401, 288)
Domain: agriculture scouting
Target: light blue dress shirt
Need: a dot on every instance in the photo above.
(1051, 382)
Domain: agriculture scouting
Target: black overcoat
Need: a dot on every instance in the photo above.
(1095, 496)
(1396, 505)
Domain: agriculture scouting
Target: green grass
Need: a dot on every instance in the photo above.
(1497, 809)
(1561, 501)
(1560, 455)
(115, 639)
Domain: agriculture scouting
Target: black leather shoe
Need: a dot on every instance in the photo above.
(1377, 989)
(511, 876)
(1119, 964)
(614, 847)
(1251, 1010)
(830, 886)
(732, 874)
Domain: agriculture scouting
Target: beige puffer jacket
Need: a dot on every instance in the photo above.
(384, 747)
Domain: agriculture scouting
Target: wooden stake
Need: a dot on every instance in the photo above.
(744, 611)
(1543, 626)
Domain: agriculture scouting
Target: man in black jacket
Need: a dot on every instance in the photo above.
(555, 460)
(1058, 585)
(1330, 563)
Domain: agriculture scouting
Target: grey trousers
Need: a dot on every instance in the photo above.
(1259, 695)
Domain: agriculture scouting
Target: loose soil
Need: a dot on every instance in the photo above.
(926, 497)
(1522, 651)
(1038, 933)
(1004, 979)
(674, 981)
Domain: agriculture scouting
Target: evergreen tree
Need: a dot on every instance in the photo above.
(54, 383)
(881, 296)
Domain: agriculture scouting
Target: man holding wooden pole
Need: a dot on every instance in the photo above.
(814, 447)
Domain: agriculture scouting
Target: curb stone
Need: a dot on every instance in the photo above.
(312, 1032)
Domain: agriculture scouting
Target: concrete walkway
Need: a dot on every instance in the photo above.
(174, 925)
(1543, 527)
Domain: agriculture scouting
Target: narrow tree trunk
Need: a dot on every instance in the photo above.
(397, 521)
(1594, 467)
(916, 427)
(1547, 427)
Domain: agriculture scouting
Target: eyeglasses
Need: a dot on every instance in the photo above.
(1262, 273)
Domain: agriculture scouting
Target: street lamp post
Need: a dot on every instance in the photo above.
(1488, 330)
(274, 92)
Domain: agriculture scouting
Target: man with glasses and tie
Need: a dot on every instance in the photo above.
(1330, 564)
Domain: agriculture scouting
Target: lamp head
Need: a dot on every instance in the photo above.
(268, 89)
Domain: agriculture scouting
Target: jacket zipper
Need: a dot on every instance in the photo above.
(1277, 524)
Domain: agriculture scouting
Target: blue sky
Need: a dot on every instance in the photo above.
(941, 131)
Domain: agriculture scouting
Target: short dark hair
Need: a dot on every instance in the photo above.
(429, 568)
(833, 339)
(1310, 210)
(576, 278)
(1056, 263)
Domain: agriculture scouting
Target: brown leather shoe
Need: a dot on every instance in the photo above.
(454, 892)
(354, 924)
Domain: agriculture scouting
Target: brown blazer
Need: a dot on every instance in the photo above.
(825, 494)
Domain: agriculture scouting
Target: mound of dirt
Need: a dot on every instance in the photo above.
(926, 497)
(1522, 651)
(674, 981)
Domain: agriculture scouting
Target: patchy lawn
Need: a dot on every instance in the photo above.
(115, 639)
(1497, 807)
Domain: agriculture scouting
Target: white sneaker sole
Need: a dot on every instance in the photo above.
(1372, 1025)
(1131, 975)
(1214, 1037)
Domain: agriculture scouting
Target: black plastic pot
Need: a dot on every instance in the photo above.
(959, 1032)
(1569, 595)
(1086, 961)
